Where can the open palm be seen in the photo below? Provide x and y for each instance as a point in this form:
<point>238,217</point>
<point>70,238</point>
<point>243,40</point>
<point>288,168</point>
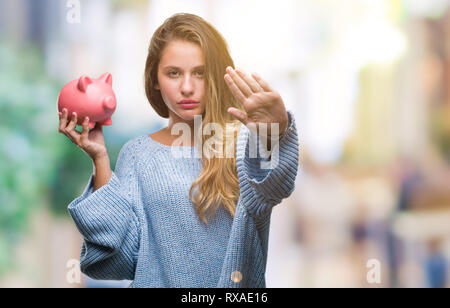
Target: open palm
<point>260,102</point>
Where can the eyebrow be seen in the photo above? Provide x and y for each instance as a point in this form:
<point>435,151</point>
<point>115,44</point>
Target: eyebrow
<point>178,68</point>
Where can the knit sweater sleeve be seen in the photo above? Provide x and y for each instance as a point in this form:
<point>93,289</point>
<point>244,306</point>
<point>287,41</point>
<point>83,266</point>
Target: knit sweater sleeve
<point>266,181</point>
<point>107,220</point>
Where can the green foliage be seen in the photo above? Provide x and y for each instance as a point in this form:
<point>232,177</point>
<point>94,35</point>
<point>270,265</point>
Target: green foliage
<point>38,166</point>
<point>30,144</point>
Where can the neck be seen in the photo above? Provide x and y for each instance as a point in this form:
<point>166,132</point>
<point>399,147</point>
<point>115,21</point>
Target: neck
<point>188,134</point>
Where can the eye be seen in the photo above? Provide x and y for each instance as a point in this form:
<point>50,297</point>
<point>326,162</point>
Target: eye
<point>172,73</point>
<point>200,73</point>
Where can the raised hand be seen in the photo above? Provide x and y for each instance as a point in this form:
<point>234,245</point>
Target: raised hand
<point>261,103</point>
<point>92,142</point>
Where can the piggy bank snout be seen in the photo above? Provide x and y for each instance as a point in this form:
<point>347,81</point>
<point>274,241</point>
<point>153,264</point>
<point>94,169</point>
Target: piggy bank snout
<point>109,103</point>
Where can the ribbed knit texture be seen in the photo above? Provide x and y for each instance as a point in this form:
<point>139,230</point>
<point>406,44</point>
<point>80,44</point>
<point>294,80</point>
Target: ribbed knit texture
<point>141,225</point>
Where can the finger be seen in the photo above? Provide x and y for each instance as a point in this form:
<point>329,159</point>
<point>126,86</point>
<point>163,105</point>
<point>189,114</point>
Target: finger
<point>63,120</point>
<point>254,86</point>
<point>63,124</point>
<point>234,89</point>
<point>262,82</point>
<point>61,116</point>
<point>238,114</point>
<point>73,122</point>
<point>242,85</point>
<point>85,131</point>
<point>60,126</point>
<point>74,136</point>
<point>70,129</point>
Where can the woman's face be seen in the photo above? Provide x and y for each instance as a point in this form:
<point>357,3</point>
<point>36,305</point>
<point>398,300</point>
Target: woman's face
<point>181,77</point>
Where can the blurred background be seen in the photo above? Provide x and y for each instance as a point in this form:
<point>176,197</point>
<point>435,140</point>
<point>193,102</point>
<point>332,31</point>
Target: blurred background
<point>367,80</point>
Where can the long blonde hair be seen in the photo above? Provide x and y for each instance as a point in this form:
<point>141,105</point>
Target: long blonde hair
<point>217,185</point>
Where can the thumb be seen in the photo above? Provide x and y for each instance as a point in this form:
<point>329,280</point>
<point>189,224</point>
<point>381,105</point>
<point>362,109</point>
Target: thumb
<point>238,114</point>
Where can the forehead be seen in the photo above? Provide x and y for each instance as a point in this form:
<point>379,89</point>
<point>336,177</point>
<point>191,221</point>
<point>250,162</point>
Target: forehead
<point>182,54</point>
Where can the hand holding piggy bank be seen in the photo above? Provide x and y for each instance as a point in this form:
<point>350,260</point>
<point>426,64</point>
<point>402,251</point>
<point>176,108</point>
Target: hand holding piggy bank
<point>86,101</point>
<point>93,98</point>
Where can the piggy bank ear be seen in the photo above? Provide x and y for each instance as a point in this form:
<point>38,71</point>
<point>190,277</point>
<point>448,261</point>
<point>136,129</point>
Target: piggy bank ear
<point>83,83</point>
<point>107,78</point>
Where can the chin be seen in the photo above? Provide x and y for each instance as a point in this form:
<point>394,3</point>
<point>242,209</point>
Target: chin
<point>188,115</point>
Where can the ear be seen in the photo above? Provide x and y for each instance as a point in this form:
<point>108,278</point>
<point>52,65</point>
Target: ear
<point>83,83</point>
<point>107,78</point>
<point>156,87</point>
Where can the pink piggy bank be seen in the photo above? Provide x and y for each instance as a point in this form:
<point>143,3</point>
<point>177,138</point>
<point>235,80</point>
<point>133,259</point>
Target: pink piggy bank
<point>93,98</point>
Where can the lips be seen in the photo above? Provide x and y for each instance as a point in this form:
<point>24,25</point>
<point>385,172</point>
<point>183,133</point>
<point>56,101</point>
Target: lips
<point>188,104</point>
<point>188,101</point>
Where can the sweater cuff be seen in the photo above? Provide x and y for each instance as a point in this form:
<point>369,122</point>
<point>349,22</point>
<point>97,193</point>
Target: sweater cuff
<point>273,179</point>
<point>102,216</point>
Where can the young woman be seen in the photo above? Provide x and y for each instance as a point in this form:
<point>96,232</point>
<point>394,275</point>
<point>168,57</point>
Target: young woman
<point>198,220</point>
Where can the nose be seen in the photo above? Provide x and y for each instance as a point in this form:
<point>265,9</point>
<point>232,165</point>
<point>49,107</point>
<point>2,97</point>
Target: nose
<point>109,103</point>
<point>187,86</point>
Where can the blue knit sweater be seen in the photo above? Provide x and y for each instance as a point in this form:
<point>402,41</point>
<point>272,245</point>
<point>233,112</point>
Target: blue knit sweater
<point>141,225</point>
